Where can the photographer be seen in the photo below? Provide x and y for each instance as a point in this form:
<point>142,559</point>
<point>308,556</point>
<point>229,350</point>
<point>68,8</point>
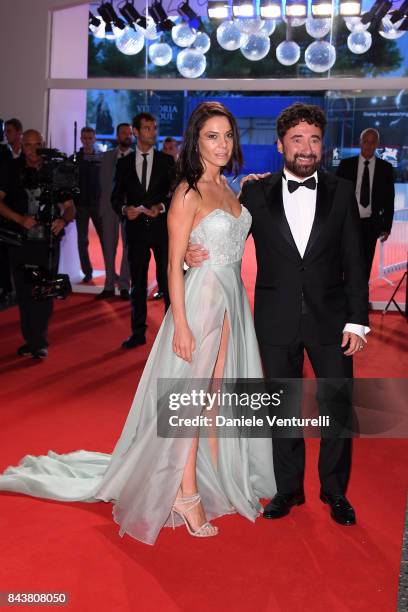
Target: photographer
<point>20,200</point>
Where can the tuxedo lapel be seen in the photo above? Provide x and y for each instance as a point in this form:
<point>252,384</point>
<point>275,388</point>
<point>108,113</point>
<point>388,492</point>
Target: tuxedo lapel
<point>324,202</point>
<point>277,211</point>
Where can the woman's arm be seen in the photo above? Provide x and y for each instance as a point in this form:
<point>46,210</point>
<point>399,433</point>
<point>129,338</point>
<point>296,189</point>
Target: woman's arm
<point>180,221</point>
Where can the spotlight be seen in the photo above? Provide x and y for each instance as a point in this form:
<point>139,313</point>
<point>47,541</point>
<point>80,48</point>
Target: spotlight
<point>109,33</point>
<point>379,9</point>
<point>93,22</point>
<point>322,8</point>
<point>159,15</point>
<point>132,16</point>
<point>187,14</point>
<point>108,14</point>
<point>404,26</point>
<point>350,8</point>
<point>243,8</point>
<point>296,8</point>
<point>270,9</point>
<point>218,9</point>
<point>399,13</point>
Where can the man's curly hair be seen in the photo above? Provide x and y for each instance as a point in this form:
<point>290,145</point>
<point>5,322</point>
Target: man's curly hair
<point>294,114</point>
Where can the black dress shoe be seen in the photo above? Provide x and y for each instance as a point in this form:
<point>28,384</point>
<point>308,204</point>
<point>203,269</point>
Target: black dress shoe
<point>124,294</point>
<point>24,351</point>
<point>41,353</point>
<point>105,294</point>
<point>133,342</point>
<point>87,278</point>
<point>341,510</point>
<point>281,504</point>
<point>158,295</point>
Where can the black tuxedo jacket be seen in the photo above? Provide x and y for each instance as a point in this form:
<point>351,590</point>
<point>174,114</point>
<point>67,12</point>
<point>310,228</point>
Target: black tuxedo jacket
<point>329,282</point>
<point>128,191</point>
<point>382,193</point>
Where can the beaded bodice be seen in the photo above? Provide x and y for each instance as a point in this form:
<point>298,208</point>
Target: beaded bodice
<point>223,235</point>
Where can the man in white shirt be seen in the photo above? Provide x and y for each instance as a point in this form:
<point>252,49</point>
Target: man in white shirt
<point>373,181</point>
<point>310,296</point>
<point>141,196</point>
<point>13,131</point>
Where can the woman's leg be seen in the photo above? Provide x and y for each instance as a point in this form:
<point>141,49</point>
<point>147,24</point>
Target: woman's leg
<point>188,487</point>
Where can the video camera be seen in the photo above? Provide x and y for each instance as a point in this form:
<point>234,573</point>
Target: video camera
<point>58,180</point>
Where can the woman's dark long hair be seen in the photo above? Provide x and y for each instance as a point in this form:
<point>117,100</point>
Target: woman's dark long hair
<point>190,167</point>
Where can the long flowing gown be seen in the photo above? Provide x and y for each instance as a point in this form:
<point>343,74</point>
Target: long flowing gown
<point>144,472</point>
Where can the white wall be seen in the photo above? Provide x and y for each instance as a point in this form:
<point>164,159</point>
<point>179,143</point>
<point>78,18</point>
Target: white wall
<point>24,43</point>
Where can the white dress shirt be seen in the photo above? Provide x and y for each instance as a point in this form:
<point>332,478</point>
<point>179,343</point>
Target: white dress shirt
<point>14,154</point>
<point>365,212</point>
<point>139,164</point>
<point>120,153</point>
<point>300,208</point>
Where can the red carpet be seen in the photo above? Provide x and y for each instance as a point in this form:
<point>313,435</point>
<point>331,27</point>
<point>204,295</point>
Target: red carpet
<point>79,397</point>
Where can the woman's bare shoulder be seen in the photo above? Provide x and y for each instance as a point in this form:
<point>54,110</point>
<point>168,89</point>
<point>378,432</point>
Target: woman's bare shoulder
<point>185,198</point>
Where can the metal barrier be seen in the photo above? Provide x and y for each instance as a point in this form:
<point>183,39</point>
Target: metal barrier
<point>393,252</point>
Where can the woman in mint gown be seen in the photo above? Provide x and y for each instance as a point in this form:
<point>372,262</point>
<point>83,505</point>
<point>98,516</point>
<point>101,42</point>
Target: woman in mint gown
<point>207,334</point>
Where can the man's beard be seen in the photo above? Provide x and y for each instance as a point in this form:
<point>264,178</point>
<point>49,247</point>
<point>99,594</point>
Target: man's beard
<point>126,142</point>
<point>302,170</point>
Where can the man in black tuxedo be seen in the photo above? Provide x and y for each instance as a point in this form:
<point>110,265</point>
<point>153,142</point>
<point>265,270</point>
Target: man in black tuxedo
<point>373,182</point>
<point>310,294</point>
<point>141,194</point>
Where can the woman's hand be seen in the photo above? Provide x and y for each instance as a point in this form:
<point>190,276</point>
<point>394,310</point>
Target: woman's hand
<point>252,177</point>
<point>183,342</point>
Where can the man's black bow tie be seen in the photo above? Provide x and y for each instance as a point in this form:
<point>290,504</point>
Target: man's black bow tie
<point>310,183</point>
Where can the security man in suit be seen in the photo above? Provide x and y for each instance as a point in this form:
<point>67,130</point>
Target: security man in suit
<point>110,220</point>
<point>141,195</point>
<point>373,182</point>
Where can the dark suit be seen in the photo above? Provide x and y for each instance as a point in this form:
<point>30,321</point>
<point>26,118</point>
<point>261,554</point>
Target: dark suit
<point>144,233</point>
<point>304,304</point>
<point>5,276</point>
<point>382,202</point>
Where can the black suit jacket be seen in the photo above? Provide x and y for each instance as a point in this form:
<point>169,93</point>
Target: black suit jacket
<point>127,191</point>
<point>382,193</point>
<point>330,279</point>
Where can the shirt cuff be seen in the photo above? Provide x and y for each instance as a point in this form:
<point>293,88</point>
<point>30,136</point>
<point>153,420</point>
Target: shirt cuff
<point>123,210</point>
<point>163,208</point>
<point>360,330</point>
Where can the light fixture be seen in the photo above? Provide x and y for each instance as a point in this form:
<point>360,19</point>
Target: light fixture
<point>218,9</point>
<point>296,8</point>
<point>93,22</point>
<point>350,8</point>
<point>132,16</point>
<point>379,9</point>
<point>270,9</point>
<point>188,15</point>
<point>159,15</point>
<point>108,14</point>
<point>322,8</point>
<point>243,8</point>
<point>400,13</point>
<point>404,25</point>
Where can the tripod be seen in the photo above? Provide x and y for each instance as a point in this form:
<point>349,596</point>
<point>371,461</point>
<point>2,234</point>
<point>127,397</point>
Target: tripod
<point>392,298</point>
